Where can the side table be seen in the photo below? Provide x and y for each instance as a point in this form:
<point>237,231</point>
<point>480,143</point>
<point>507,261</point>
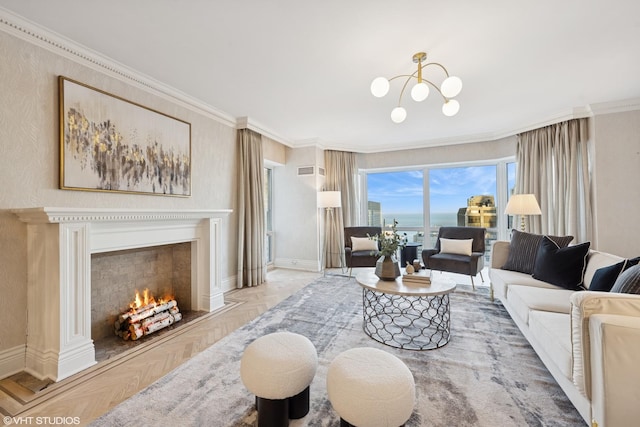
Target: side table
<point>409,253</point>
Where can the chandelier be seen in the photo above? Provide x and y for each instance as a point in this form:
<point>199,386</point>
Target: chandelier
<point>450,87</point>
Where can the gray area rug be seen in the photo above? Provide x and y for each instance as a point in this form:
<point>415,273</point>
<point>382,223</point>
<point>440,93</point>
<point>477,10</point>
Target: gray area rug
<point>487,375</point>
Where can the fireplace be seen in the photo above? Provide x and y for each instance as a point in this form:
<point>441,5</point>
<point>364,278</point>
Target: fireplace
<point>118,277</point>
<point>61,242</point>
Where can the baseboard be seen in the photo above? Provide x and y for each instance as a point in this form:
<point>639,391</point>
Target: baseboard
<point>229,283</point>
<point>297,264</point>
<point>12,360</point>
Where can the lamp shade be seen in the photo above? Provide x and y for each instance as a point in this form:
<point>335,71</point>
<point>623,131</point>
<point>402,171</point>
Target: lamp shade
<point>523,204</point>
<point>329,199</point>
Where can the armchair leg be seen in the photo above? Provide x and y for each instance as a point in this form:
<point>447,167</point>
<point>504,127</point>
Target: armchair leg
<point>473,285</point>
<point>481,276</point>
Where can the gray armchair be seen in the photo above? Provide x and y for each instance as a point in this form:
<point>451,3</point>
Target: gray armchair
<point>359,258</point>
<point>455,263</point>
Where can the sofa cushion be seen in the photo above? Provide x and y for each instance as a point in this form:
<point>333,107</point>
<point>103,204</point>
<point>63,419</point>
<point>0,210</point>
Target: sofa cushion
<point>523,299</point>
<point>553,332</point>
<point>524,247</point>
<point>456,246</point>
<point>502,280</point>
<point>628,282</point>
<point>561,266</point>
<point>363,244</point>
<point>604,278</point>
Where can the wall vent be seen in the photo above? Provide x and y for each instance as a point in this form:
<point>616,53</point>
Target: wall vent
<point>306,170</point>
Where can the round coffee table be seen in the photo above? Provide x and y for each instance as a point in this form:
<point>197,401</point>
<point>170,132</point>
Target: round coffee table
<point>410,316</point>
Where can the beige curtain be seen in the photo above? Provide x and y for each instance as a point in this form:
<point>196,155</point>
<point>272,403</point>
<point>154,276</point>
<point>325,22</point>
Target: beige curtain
<point>252,267</point>
<point>553,164</point>
<point>341,175</point>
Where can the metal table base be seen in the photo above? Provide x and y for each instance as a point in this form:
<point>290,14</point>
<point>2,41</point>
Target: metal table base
<point>406,321</point>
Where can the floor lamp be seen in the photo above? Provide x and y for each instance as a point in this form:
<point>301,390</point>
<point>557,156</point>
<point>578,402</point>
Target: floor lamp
<point>329,200</point>
<point>522,204</point>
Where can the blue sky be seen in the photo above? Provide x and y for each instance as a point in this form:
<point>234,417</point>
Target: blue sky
<point>402,192</point>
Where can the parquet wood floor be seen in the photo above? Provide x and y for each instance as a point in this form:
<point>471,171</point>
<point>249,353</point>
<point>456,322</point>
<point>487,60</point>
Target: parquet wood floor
<point>94,391</point>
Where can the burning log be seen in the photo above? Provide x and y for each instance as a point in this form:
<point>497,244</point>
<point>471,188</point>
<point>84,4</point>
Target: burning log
<point>138,322</point>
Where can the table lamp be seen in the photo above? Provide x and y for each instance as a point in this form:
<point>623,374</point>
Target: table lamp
<point>522,204</point>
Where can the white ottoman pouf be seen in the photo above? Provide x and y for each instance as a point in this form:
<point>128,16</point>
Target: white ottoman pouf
<point>369,387</point>
<point>278,369</point>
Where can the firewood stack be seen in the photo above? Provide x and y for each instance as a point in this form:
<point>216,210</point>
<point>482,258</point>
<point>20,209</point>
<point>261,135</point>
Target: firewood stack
<point>138,322</point>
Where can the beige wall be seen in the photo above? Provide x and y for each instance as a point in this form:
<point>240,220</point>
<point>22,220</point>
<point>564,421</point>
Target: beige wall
<point>479,151</point>
<point>295,213</point>
<point>273,151</point>
<point>29,164</point>
<point>616,171</point>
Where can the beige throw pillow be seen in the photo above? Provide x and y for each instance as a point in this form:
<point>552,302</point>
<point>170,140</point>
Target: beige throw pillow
<point>363,244</point>
<point>456,246</point>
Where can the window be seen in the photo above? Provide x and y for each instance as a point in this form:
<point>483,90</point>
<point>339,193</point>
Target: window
<point>465,197</point>
<point>511,189</point>
<point>422,200</point>
<point>268,213</point>
<point>400,196</point>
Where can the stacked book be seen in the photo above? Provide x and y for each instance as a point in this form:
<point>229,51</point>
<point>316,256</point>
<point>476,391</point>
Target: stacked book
<point>422,278</point>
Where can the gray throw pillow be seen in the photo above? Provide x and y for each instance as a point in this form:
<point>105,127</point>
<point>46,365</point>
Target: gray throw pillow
<point>628,282</point>
<point>524,248</point>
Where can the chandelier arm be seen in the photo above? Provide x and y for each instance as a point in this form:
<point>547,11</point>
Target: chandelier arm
<point>439,65</point>
<point>435,86</point>
<point>404,86</point>
<point>414,75</point>
<point>408,76</point>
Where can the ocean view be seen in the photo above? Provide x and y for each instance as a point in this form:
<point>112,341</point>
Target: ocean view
<point>415,220</point>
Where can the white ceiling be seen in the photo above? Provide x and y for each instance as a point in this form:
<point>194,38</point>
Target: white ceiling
<point>302,68</point>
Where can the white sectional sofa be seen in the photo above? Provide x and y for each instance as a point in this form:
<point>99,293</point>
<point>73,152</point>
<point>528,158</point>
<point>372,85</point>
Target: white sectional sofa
<point>588,340</point>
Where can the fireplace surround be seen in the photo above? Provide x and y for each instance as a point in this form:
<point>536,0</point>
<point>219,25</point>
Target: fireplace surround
<point>59,248</point>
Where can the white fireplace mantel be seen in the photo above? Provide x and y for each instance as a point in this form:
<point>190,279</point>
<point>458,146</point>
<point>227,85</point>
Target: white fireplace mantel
<point>59,248</point>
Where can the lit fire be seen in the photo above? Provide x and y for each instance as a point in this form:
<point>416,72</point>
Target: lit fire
<point>147,299</point>
<point>146,315</point>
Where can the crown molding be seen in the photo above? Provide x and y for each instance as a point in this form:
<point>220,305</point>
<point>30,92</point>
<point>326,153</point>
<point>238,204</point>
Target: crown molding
<point>248,123</point>
<point>621,106</point>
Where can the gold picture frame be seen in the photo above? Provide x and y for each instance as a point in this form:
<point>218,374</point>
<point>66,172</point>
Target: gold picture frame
<point>110,144</point>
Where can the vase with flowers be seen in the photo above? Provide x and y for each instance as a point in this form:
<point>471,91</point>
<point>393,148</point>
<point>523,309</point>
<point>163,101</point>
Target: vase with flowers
<point>389,241</point>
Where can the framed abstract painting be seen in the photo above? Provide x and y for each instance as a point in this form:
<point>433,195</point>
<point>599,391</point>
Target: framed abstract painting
<point>110,144</point>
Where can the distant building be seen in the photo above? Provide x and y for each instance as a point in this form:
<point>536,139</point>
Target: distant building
<point>480,212</point>
<point>374,214</point>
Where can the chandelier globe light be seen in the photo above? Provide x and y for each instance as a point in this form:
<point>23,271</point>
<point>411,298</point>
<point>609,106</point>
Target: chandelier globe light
<point>449,88</point>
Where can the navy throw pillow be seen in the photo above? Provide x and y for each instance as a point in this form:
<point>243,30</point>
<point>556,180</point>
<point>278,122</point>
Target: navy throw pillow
<point>561,266</point>
<point>604,278</point>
